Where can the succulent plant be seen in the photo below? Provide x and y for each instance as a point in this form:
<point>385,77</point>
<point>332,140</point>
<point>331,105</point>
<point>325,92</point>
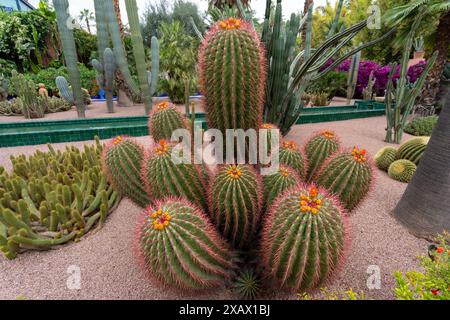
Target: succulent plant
<point>232,75</point>
<point>385,157</point>
<point>165,119</point>
<point>26,90</point>
<point>422,126</point>
<point>269,133</point>
<point>106,72</point>
<point>122,161</point>
<point>290,155</point>
<point>177,246</point>
<point>402,170</point>
<point>318,148</point>
<point>349,175</point>
<point>276,184</point>
<point>247,285</point>
<point>413,149</point>
<point>235,203</point>
<point>304,237</point>
<point>163,177</point>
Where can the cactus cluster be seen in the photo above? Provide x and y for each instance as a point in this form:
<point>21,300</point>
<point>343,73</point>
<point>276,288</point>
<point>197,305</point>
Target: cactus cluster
<point>318,148</point>
<point>413,149</point>
<point>163,120</point>
<point>25,89</point>
<point>422,126</point>
<point>4,87</point>
<point>51,198</point>
<point>402,170</point>
<point>384,157</point>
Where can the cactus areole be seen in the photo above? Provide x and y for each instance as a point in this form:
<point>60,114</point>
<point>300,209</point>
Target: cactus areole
<point>233,75</point>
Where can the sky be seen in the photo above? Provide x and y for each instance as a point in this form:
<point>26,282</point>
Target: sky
<point>259,6</point>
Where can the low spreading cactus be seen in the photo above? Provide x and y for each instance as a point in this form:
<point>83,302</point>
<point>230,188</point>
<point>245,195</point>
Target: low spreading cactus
<point>318,149</point>
<point>413,149</point>
<point>235,198</point>
<point>165,119</point>
<point>122,160</point>
<point>275,184</point>
<point>349,175</point>
<point>304,238</point>
<point>290,155</point>
<point>176,245</point>
<point>385,157</point>
<point>402,170</point>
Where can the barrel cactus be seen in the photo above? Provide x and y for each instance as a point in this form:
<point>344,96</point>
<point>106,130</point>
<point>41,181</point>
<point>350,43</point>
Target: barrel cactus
<point>290,155</point>
<point>163,177</point>
<point>402,170</point>
<point>235,203</point>
<point>304,238</point>
<point>275,184</point>
<point>269,130</point>
<point>122,160</point>
<point>165,119</point>
<point>385,157</point>
<point>232,67</point>
<point>176,245</point>
<point>413,149</point>
<point>349,175</point>
<point>318,149</point>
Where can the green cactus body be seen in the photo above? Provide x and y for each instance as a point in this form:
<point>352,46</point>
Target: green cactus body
<point>122,161</point>
<point>164,119</point>
<point>102,28</point>
<point>176,245</point>
<point>247,285</point>
<point>165,178</point>
<point>385,157</point>
<point>235,203</point>
<point>353,76</point>
<point>276,184</point>
<point>25,89</point>
<point>270,133</point>
<point>413,149</point>
<point>349,175</point>
<point>304,238</point>
<point>154,74</point>
<point>318,149</point>
<point>232,75</point>
<point>402,170</point>
<point>64,90</point>
<point>422,126</point>
<point>290,155</point>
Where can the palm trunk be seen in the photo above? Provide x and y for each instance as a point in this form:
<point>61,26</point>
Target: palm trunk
<point>88,25</point>
<point>425,207</point>
<point>434,77</point>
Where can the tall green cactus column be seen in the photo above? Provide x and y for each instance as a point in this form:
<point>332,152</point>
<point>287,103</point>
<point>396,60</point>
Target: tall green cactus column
<point>102,28</point>
<point>70,52</point>
<point>353,76</point>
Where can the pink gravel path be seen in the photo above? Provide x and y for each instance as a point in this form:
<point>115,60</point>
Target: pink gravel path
<point>108,270</point>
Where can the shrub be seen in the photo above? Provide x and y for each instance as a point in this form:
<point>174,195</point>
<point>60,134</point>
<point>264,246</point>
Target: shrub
<point>422,126</point>
<point>365,68</point>
<point>333,84</point>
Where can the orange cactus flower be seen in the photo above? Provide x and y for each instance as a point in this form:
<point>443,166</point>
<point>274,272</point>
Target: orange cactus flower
<point>284,172</point>
<point>234,172</point>
<point>162,105</point>
<point>162,147</point>
<point>230,24</point>
<point>328,134</point>
<point>435,291</point>
<point>440,250</point>
<point>359,155</point>
<point>117,140</point>
<point>291,145</point>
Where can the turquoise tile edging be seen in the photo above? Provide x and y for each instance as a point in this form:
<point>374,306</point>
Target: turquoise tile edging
<point>41,132</point>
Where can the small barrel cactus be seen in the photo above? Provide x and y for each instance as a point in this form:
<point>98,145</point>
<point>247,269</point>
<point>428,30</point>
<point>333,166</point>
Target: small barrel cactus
<point>247,285</point>
<point>232,75</point>
<point>122,161</point>
<point>304,237</point>
<point>163,177</point>
<point>290,155</point>
<point>349,175</point>
<point>318,149</point>
<point>176,245</point>
<point>235,203</point>
<point>385,157</point>
<point>276,184</point>
<point>163,120</point>
<point>413,149</point>
<point>269,134</point>
<point>402,170</point>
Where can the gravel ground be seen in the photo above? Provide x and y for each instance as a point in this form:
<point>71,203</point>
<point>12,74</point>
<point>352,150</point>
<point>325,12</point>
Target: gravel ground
<point>108,270</point>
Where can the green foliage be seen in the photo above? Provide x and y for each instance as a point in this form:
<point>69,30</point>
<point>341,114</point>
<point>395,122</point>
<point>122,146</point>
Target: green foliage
<point>413,149</point>
<point>177,60</point>
<point>6,67</point>
<point>326,294</point>
<point>402,170</point>
<point>431,284</point>
<point>333,84</point>
<point>319,147</point>
<point>384,157</point>
<point>164,120</point>
<point>422,126</point>
<point>51,198</point>
<point>319,99</point>
<point>86,44</point>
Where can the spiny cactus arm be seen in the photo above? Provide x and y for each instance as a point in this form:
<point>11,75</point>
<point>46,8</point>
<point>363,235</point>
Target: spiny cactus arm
<point>266,32</point>
<point>195,28</point>
<point>102,28</point>
<point>308,40</point>
<point>64,90</point>
<point>336,19</point>
<point>353,76</point>
<point>155,66</point>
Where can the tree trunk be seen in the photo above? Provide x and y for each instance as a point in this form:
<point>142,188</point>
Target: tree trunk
<point>425,207</point>
<point>434,76</point>
<point>88,25</point>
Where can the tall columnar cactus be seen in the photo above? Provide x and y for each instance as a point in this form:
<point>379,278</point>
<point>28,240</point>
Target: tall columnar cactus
<point>304,238</point>
<point>102,28</point>
<point>25,89</point>
<point>177,246</point>
<point>163,177</point>
<point>349,175</point>
<point>232,75</point>
<point>64,90</point>
<point>235,203</point>
<point>122,161</point>
<point>353,76</point>
<point>165,118</point>
<point>153,76</point>
<point>106,72</point>
<point>275,184</point>
<point>290,155</point>
<point>385,157</point>
<point>318,149</point>
<point>413,149</point>
<point>368,91</point>
<point>70,52</point>
<point>4,87</point>
<point>402,170</point>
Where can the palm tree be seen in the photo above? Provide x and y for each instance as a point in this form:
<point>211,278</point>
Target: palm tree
<point>435,10</point>
<point>425,207</point>
<point>87,15</point>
